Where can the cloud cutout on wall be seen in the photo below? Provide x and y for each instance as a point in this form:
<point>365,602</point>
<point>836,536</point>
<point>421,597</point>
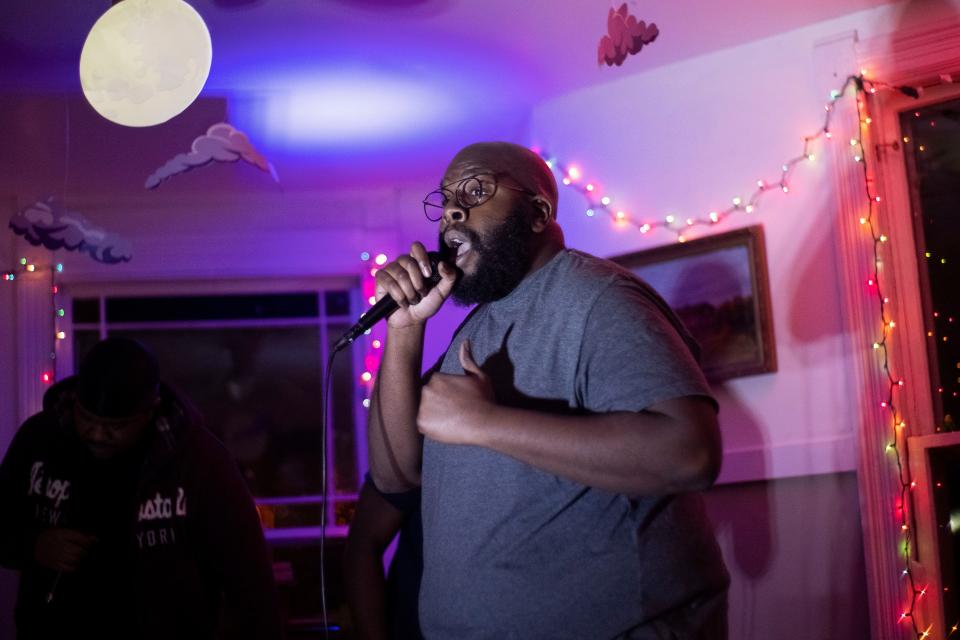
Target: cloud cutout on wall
<point>46,223</point>
<point>221,143</point>
<point>625,36</point>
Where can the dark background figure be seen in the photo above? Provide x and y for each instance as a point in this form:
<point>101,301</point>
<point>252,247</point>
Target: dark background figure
<point>126,518</point>
<point>383,608</point>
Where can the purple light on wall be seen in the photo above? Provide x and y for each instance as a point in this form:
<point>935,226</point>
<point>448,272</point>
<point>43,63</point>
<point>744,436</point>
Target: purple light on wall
<point>392,94</point>
<point>353,108</point>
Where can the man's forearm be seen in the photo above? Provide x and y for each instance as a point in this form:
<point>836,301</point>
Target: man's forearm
<point>637,454</point>
<point>365,586</point>
<point>394,444</point>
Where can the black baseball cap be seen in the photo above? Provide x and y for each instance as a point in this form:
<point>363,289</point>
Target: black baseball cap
<point>118,378</point>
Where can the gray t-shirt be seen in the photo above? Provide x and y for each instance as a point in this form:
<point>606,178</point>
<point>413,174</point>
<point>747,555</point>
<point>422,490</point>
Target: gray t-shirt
<point>514,552</point>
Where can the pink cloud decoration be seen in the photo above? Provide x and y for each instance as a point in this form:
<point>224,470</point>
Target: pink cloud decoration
<point>221,143</point>
<point>47,224</point>
<point>625,36</point>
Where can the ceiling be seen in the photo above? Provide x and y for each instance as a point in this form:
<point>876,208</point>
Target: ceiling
<point>455,69</point>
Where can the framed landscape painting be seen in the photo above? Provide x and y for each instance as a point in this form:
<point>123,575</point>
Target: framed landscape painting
<point>718,287</point>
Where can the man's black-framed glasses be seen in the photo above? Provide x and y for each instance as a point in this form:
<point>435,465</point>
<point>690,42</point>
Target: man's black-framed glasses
<point>468,192</point>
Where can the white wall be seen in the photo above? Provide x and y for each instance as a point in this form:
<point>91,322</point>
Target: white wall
<point>685,139</point>
<point>8,363</point>
<point>8,398</point>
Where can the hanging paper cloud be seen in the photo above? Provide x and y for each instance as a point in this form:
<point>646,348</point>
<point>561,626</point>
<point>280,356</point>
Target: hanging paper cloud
<point>49,225</point>
<point>222,143</point>
<point>625,36</point>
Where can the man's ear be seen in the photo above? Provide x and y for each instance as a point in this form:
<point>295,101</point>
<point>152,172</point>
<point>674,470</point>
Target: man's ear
<point>543,214</point>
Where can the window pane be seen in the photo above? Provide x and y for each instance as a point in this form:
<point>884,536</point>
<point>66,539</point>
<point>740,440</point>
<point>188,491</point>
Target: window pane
<point>258,390</point>
<point>191,308</point>
<point>338,303</point>
<point>933,162</point>
<point>86,310</point>
<point>83,341</point>
<point>343,403</point>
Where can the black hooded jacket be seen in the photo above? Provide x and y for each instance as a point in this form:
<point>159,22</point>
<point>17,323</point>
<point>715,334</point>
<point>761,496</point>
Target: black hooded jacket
<point>179,552</point>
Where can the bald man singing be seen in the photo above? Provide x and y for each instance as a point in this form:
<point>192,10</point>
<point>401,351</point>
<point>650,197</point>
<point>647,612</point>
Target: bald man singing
<point>561,439</point>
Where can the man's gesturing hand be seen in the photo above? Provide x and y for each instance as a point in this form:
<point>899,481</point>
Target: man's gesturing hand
<point>62,549</point>
<point>453,407</point>
<point>405,280</point>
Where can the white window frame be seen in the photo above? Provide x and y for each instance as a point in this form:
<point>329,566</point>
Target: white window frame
<point>918,58</point>
<point>319,285</point>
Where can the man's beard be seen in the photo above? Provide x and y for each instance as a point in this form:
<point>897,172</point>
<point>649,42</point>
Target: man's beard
<point>503,258</point>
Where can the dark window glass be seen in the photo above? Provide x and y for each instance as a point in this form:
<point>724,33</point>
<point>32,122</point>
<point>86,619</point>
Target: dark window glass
<point>86,310</point>
<point>338,303</point>
<point>258,391</point>
<point>945,471</point>
<point>933,164</point>
<point>192,308</point>
<point>83,341</point>
<point>342,406</point>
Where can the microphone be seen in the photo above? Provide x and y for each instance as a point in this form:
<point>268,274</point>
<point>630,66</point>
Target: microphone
<point>53,587</point>
<point>384,307</point>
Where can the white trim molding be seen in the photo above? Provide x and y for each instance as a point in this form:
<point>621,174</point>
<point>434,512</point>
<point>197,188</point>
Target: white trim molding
<point>916,57</point>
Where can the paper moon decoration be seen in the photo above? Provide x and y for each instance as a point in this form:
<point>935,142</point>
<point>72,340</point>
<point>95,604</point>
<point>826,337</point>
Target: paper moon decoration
<point>145,61</point>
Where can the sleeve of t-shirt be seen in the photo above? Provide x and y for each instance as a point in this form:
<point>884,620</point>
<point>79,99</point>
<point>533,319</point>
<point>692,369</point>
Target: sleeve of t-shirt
<point>632,354</point>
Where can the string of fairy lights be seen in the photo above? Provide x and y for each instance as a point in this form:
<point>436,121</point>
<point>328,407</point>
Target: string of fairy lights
<point>599,204</point>
<point>368,288</point>
<point>47,373</point>
<point>897,445</point>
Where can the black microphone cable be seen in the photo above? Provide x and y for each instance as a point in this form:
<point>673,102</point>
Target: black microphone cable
<point>327,378</point>
<point>379,311</point>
